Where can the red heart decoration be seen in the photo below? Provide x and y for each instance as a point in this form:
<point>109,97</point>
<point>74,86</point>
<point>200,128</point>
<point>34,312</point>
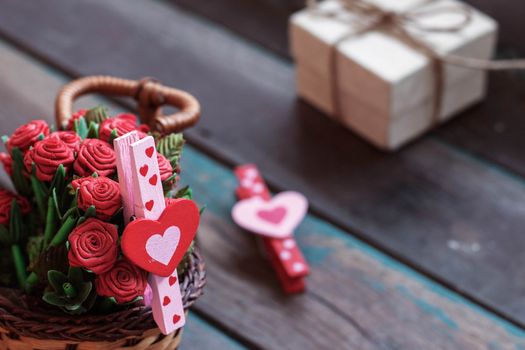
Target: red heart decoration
<point>158,246</point>
<point>153,180</point>
<point>166,301</point>
<point>149,204</point>
<point>149,151</point>
<point>172,280</point>
<point>176,318</point>
<point>143,170</point>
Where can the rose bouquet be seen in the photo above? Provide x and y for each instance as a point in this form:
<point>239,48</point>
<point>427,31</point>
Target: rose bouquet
<point>60,229</point>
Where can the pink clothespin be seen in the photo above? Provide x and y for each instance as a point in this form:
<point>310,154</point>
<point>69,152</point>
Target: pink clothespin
<point>274,219</point>
<point>143,197</point>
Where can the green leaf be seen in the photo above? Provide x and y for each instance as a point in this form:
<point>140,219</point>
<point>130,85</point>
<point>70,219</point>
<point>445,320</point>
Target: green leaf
<point>92,131</point>
<point>5,138</point>
<point>54,299</point>
<point>96,115</point>
<point>113,136</point>
<point>15,222</point>
<point>185,192</point>
<point>81,128</point>
<point>170,146</point>
<point>31,282</point>
<point>19,180</point>
<point>59,179</point>
<point>91,212</point>
<point>20,265</point>
<point>56,279</point>
<point>202,209</point>
<point>63,232</point>
<point>51,221</point>
<point>56,204</point>
<point>84,291</point>
<point>40,196</point>
<point>75,275</point>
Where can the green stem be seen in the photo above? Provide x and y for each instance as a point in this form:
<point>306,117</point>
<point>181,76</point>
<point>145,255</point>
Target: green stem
<point>39,196</point>
<point>50,221</point>
<point>20,265</point>
<point>31,282</point>
<point>63,232</point>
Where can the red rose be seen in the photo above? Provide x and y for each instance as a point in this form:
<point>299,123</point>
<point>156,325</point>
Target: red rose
<point>28,163</point>
<point>74,117</point>
<point>26,135</point>
<point>165,168</point>
<point>47,155</point>
<point>6,199</point>
<point>93,246</point>
<point>101,192</point>
<point>123,123</point>
<point>169,201</point>
<point>7,162</point>
<point>70,138</point>
<point>95,156</point>
<point>124,282</point>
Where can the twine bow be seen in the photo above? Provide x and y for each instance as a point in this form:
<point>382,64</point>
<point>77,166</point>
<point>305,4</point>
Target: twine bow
<point>404,25</point>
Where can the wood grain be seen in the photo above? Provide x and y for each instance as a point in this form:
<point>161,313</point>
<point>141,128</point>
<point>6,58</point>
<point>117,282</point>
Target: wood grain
<point>483,130</point>
<point>265,21</point>
<point>358,297</point>
<point>432,204</point>
<point>199,334</point>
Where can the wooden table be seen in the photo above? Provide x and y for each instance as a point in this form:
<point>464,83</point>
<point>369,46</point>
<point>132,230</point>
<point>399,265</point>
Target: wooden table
<point>422,249</point>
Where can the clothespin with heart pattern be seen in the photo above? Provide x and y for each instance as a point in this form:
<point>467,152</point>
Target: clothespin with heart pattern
<point>275,220</point>
<point>160,236</point>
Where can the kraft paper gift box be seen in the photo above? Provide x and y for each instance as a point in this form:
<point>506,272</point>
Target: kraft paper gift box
<point>386,88</point>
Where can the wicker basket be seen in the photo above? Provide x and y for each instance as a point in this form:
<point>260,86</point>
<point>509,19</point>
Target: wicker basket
<point>27,323</point>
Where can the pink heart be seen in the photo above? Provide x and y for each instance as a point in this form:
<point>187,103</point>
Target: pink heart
<point>275,218</point>
<point>162,247</point>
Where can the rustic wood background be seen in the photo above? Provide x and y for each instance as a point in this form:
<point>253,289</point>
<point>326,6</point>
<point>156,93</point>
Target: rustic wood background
<point>422,249</point>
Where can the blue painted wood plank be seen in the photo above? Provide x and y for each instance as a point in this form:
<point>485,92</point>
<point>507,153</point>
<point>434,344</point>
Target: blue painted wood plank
<point>199,334</point>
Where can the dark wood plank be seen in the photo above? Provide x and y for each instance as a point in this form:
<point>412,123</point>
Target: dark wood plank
<point>358,298</point>
<point>265,21</point>
<point>483,130</point>
<point>429,204</point>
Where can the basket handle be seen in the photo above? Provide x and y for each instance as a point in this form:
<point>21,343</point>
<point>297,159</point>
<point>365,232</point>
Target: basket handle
<point>149,94</point>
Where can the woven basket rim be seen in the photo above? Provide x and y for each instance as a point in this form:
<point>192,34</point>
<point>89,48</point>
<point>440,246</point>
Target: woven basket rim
<point>23,316</point>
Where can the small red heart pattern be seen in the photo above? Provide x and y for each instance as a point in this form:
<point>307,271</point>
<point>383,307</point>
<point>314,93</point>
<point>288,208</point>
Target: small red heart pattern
<point>143,170</point>
<point>149,204</point>
<point>176,319</point>
<point>172,280</point>
<point>166,301</point>
<point>153,180</point>
<point>149,151</point>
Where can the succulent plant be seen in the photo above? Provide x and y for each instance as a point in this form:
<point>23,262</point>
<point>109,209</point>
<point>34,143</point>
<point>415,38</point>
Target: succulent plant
<point>71,293</point>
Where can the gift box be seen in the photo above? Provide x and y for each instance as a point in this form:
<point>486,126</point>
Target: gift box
<point>375,80</point>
